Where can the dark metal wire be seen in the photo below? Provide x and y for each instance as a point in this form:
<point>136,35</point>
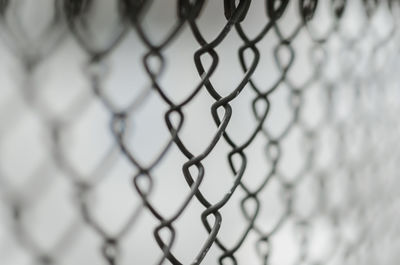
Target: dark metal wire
<point>71,17</point>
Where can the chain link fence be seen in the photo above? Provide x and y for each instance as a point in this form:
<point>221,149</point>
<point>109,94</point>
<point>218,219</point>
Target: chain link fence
<point>199,132</point>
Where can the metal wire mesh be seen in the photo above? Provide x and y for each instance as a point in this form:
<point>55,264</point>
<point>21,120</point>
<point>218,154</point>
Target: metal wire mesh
<point>199,132</point>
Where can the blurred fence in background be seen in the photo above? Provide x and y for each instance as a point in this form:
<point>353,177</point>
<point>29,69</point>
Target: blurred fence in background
<point>199,132</point>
